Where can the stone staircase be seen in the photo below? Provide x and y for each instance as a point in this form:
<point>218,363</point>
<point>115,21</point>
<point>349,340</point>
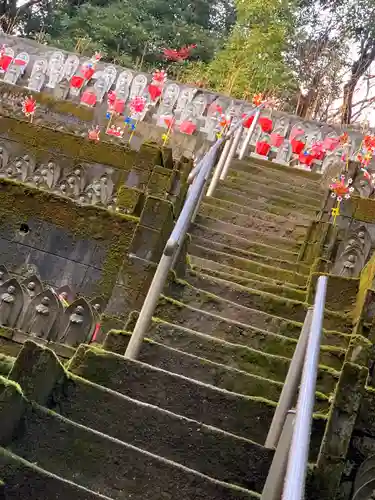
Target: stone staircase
<point>188,419</point>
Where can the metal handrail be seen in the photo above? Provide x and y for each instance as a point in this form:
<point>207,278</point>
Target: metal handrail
<point>294,450</point>
<point>295,478</point>
<point>199,177</point>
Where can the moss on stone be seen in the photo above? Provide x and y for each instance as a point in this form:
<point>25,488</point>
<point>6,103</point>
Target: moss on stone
<point>6,364</point>
<point>45,140</point>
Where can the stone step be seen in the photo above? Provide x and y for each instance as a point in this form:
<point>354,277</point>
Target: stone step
<point>161,356</point>
<point>244,416</point>
<point>199,289</point>
<point>107,465</point>
<point>280,229</point>
<point>213,245</point>
<point>244,284</point>
<point>244,244</point>
<point>274,171</point>
<point>249,280</point>
<point>27,481</point>
<point>179,313</point>
<point>267,193</point>
<point>248,234</point>
<point>265,176</point>
<point>199,447</point>
<point>235,353</point>
<point>234,196</point>
<point>204,370</point>
<point>255,268</point>
<point>259,363</point>
<point>296,218</point>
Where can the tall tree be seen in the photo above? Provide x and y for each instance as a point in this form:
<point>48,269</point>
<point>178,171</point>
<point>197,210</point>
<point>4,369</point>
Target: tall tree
<point>252,60</point>
<point>129,32</point>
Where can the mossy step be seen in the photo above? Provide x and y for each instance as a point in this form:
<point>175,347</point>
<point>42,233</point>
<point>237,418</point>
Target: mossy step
<point>297,267</point>
<point>284,183</point>
<point>176,361</point>
<point>280,229</point>
<point>210,451</point>
<point>107,465</point>
<point>273,170</point>
<point>301,220</point>
<point>243,284</point>
<point>212,268</point>
<point>6,364</point>
<point>264,192</point>
<point>250,266</point>
<point>27,481</point>
<point>240,243</point>
<point>231,330</point>
<point>179,394</point>
<point>232,195</point>
<point>249,234</point>
<point>261,364</point>
<point>272,304</point>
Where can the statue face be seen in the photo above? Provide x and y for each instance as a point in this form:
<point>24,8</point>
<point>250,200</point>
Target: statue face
<point>45,301</point>
<point>11,289</point>
<point>79,310</point>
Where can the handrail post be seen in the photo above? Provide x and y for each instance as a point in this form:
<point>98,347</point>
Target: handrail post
<point>273,487</point>
<point>295,479</point>
<point>149,306</point>
<point>219,167</point>
<point>292,381</point>
<point>249,135</point>
<point>231,153</point>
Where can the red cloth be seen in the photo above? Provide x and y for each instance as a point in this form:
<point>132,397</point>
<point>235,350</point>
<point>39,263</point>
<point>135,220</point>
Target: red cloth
<point>247,123</point>
<point>262,148</point>
<point>276,140</point>
<point>77,82</point>
<point>297,146</point>
<point>188,128</point>
<point>5,60</point>
<point>154,91</point>
<point>88,98</point>
<point>306,159</point>
<point>265,124</point>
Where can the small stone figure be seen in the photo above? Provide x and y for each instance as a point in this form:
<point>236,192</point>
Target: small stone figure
<point>11,302</point>
<point>77,323</point>
<point>42,315</point>
<point>348,267</point>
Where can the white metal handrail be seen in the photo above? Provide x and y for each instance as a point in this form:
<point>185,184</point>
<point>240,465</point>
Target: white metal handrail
<point>199,177</point>
<point>293,450</point>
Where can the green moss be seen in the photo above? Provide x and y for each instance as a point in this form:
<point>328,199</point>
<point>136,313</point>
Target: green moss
<point>130,199</point>
<point>47,141</point>
<point>6,364</point>
<point>7,383</point>
<point>364,209</point>
<point>113,263</point>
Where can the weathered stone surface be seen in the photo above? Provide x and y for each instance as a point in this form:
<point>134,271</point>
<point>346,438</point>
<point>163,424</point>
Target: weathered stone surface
<point>71,450</point>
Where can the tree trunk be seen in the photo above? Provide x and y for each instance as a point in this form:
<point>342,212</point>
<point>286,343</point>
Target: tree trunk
<point>359,68</point>
<point>347,104</point>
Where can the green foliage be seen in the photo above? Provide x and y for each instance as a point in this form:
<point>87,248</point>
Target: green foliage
<point>253,59</point>
<point>129,32</point>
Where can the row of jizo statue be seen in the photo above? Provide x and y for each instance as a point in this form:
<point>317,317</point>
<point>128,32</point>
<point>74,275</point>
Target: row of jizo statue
<point>191,109</point>
<point>83,184</point>
<point>40,311</point>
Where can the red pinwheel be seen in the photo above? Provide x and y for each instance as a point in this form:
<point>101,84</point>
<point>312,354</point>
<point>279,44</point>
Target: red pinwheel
<point>341,188</point>
<point>29,106</point>
<point>94,134</point>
